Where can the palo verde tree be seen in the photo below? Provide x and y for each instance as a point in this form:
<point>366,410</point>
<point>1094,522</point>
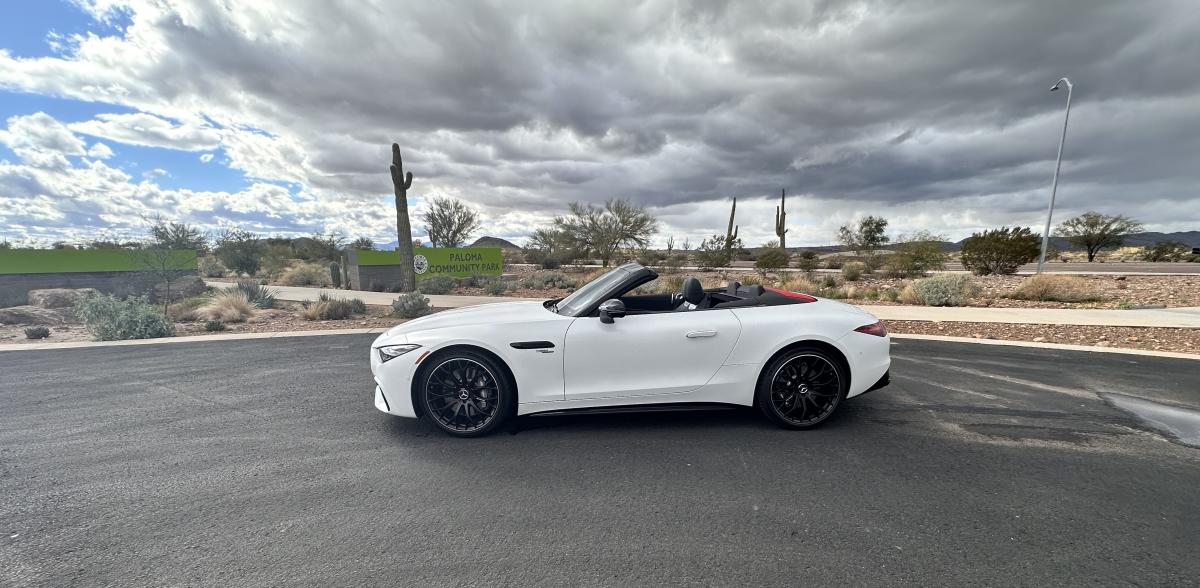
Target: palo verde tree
<point>401,182</point>
<point>865,235</point>
<point>449,222</point>
<point>620,223</point>
<point>1094,231</point>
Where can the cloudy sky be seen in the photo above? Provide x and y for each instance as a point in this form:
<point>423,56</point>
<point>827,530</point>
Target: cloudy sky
<point>278,116</point>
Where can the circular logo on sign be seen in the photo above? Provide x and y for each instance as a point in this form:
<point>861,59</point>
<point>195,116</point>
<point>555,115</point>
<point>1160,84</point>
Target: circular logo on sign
<point>420,264</point>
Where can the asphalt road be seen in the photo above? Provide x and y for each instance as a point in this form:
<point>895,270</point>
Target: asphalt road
<point>263,462</point>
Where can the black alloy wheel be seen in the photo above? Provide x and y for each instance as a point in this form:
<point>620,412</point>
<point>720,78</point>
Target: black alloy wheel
<point>466,394</point>
<point>802,388</point>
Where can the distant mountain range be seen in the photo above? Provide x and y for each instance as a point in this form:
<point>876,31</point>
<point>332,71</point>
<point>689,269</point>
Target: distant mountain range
<point>1189,238</point>
<point>480,242</point>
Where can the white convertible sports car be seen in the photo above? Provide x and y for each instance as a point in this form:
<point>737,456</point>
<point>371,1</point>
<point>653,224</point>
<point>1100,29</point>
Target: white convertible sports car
<point>472,369</point>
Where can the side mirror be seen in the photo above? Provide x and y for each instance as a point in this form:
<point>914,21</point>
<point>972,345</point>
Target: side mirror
<point>611,309</point>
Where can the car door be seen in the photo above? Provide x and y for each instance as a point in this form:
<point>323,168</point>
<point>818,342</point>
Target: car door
<point>646,354</point>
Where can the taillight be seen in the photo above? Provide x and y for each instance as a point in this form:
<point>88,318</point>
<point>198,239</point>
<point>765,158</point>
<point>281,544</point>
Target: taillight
<point>875,328</point>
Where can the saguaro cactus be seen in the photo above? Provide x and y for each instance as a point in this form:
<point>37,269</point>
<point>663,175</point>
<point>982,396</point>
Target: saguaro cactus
<point>731,232</point>
<point>781,219</point>
<point>401,181</point>
<point>335,274</point>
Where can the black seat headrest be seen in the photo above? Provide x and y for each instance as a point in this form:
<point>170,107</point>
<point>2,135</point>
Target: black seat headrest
<point>733,287</point>
<point>693,290</point>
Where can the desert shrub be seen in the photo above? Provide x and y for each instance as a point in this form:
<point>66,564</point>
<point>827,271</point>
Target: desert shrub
<point>836,261</point>
<point>908,295</point>
<point>547,281</point>
<point>329,308</point>
<point>853,270</point>
<point>211,267</point>
<point>1167,251</point>
<point>111,319</point>
<point>889,294</point>
<point>772,258</point>
<point>496,287</point>
<point>915,255</point>
<point>214,325</point>
<point>438,285</point>
<point>240,251</point>
<point>808,260</point>
<point>258,295</point>
<point>848,291</point>
<point>713,252</point>
<point>185,310</point>
<point>945,290</point>
<point>410,305</point>
<point>37,332</point>
<point>305,274</point>
<point>828,281</point>
<point>1057,288</point>
<point>749,279</point>
<point>1000,251</point>
<point>229,306</point>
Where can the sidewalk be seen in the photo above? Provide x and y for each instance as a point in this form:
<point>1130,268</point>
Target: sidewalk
<point>1170,317</point>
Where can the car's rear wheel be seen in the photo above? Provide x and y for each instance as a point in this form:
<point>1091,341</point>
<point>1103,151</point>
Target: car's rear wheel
<point>465,393</point>
<point>802,388</point>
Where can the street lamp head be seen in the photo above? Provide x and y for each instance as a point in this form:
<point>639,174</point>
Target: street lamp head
<point>1059,83</point>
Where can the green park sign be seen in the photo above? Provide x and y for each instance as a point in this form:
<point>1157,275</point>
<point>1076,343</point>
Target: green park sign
<point>458,262</point>
<point>52,261</point>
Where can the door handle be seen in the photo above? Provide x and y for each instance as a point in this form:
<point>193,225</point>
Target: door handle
<point>698,334</point>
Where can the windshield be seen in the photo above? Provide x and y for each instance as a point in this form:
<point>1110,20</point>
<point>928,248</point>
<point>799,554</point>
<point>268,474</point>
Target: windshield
<point>590,293</point>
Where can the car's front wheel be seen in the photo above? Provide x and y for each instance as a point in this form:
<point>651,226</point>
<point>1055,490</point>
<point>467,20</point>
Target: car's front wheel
<point>465,393</point>
<point>802,388</point>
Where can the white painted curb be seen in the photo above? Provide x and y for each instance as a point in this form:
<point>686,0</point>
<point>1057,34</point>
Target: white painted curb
<point>1063,346</point>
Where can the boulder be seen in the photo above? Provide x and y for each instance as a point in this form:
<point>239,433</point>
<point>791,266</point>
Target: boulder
<point>58,297</point>
<point>34,315</point>
<point>181,287</point>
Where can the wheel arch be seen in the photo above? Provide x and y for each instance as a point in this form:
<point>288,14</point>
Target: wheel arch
<point>418,377</point>
<point>825,346</point>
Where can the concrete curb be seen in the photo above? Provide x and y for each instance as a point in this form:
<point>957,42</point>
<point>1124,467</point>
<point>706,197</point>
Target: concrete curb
<point>189,339</point>
<point>244,336</point>
<point>1063,346</point>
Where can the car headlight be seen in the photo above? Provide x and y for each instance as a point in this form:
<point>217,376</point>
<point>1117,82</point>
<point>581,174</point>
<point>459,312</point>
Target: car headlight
<point>393,351</point>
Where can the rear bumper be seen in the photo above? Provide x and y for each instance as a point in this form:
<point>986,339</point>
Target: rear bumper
<point>883,381</point>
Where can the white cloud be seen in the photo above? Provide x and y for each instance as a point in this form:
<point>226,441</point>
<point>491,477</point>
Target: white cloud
<point>99,151</point>
<point>156,173</point>
<point>205,158</point>
<point>149,131</point>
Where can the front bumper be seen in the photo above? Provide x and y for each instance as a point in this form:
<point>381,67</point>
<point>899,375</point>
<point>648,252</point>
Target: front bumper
<point>393,383</point>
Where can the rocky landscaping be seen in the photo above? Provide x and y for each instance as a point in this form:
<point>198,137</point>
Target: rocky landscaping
<point>1150,338</point>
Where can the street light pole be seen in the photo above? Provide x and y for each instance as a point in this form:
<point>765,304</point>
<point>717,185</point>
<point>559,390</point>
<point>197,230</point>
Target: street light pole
<point>1054,187</point>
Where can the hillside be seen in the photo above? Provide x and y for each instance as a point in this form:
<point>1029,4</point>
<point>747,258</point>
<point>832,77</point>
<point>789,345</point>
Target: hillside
<point>494,242</point>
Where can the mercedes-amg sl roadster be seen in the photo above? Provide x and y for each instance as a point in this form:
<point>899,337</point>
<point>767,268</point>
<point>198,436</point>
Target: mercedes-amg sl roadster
<point>471,370</point>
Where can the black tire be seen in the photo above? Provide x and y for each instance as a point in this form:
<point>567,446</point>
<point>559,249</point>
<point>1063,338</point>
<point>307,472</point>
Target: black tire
<point>465,393</point>
<point>802,388</point>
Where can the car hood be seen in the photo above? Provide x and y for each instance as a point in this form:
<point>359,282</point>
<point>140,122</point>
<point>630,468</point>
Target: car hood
<point>492,314</point>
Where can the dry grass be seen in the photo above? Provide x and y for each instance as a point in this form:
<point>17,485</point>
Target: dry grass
<point>305,274</point>
<point>227,306</point>
<point>909,295</point>
<point>327,308</point>
<point>797,283</point>
<point>1057,289</point>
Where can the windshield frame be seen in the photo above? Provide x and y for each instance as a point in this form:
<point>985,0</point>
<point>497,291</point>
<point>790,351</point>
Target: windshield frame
<point>611,284</point>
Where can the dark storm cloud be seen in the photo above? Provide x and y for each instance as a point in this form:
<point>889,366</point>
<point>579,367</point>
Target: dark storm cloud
<point>917,108</point>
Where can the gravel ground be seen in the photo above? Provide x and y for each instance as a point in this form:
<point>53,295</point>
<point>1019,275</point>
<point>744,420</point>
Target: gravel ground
<point>1152,338</point>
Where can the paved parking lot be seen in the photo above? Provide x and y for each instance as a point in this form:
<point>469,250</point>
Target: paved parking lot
<point>262,462</point>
